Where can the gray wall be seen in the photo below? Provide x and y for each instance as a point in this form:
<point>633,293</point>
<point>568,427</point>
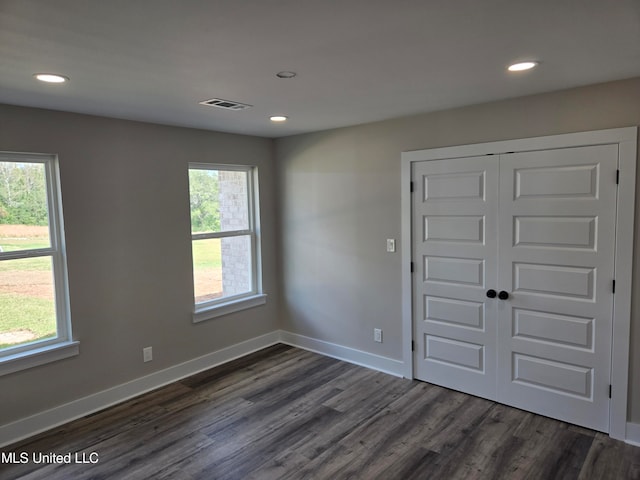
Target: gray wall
<point>339,197</point>
<point>125,195</point>
<point>126,207</point>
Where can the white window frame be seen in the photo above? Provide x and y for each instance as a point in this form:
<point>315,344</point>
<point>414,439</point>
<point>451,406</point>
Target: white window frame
<point>226,305</point>
<point>20,357</point>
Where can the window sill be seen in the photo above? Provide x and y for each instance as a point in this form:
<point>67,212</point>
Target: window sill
<point>38,356</point>
<point>207,313</point>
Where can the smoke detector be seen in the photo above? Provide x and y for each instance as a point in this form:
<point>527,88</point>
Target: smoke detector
<point>226,104</point>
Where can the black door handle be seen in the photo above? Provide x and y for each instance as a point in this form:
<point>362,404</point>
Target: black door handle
<point>491,293</point>
<point>503,295</point>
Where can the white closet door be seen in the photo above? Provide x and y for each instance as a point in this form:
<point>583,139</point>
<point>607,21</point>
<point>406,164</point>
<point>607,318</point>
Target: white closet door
<point>556,251</point>
<point>454,253</point>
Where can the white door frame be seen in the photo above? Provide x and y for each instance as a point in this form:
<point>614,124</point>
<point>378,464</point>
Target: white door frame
<point>626,138</point>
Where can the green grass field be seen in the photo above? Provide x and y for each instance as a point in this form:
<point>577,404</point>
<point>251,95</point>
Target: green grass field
<point>12,244</point>
<point>207,253</point>
<point>21,312</point>
<point>18,312</point>
<point>207,269</point>
<point>26,264</point>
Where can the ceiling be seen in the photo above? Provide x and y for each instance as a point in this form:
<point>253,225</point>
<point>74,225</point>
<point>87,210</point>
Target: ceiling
<point>357,61</point>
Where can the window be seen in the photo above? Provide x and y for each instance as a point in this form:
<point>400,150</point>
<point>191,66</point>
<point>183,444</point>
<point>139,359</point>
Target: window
<point>34,309</point>
<point>225,239</point>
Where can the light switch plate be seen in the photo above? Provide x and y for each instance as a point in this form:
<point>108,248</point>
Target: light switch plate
<point>391,245</point>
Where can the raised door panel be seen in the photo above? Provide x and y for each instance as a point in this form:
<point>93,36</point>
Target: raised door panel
<point>454,228</point>
<point>555,232</point>
<point>553,280</point>
<point>545,327</point>
<point>454,312</point>
<point>554,181</point>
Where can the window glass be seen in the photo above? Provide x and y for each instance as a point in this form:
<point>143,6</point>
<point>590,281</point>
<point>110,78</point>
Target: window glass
<point>219,200</point>
<point>207,269</point>
<point>27,302</point>
<point>33,306</point>
<point>24,216</point>
<point>224,239</point>
<point>236,265</point>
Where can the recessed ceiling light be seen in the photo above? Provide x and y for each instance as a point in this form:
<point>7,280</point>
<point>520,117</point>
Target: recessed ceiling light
<point>519,67</point>
<point>286,74</point>
<point>51,77</point>
<point>278,118</point>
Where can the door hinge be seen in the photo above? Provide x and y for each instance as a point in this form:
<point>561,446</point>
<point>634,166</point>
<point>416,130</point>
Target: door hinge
<point>617,177</point>
<point>411,187</point>
<point>609,391</point>
<point>613,287</point>
<point>413,346</point>
<point>411,267</point>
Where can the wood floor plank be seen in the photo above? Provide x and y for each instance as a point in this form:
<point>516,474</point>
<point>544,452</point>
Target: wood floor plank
<point>413,465</point>
<point>370,388</point>
<point>288,414</point>
<point>365,407</point>
<point>453,420</point>
<point>249,365</point>
<point>488,450</point>
<point>279,466</point>
<point>373,445</point>
<point>248,379</point>
<point>250,458</point>
<point>608,458</point>
<point>565,462</point>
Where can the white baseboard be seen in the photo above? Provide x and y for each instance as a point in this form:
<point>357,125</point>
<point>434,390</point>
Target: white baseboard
<point>43,421</point>
<point>633,434</point>
<point>351,355</point>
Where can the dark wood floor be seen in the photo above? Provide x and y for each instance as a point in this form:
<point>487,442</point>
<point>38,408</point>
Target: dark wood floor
<point>284,413</point>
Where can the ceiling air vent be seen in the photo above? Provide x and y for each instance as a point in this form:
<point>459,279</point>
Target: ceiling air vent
<point>226,104</point>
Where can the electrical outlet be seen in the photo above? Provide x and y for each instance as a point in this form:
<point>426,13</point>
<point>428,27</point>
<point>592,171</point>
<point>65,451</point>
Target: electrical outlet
<point>391,245</point>
<point>377,335</point>
<point>147,354</point>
